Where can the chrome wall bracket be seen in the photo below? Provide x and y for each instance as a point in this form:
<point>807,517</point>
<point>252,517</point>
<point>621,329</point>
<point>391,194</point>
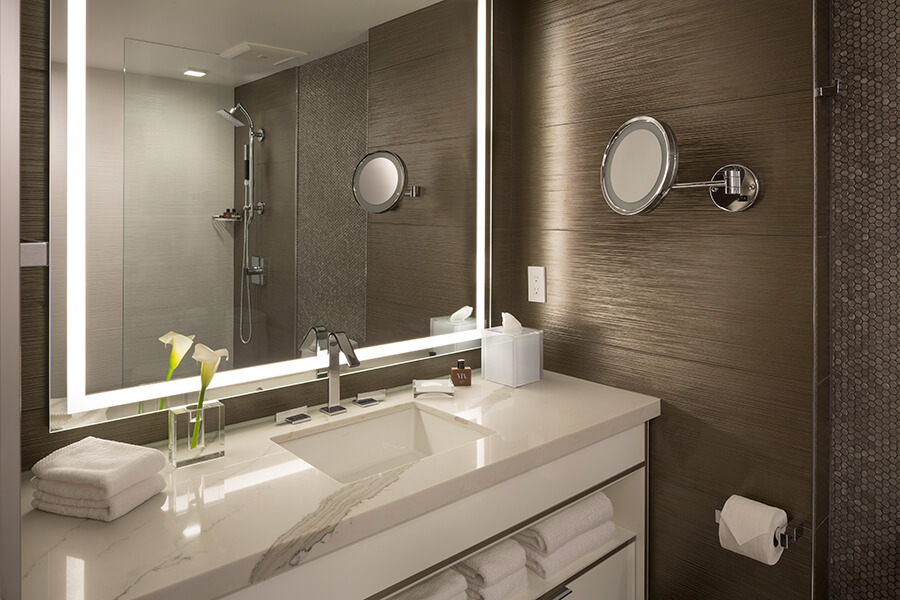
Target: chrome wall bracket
<point>828,90</point>
<point>413,191</point>
<point>734,188</point>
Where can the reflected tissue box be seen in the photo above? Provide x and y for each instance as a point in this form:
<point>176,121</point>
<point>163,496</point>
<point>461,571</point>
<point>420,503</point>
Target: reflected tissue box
<point>512,359</point>
<point>442,325</point>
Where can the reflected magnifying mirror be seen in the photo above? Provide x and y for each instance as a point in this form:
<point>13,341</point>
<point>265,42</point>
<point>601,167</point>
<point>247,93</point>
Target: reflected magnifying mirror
<point>640,165</point>
<point>380,181</point>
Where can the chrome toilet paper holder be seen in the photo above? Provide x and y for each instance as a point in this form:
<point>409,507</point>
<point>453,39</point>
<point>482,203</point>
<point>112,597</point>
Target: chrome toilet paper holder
<point>785,537</point>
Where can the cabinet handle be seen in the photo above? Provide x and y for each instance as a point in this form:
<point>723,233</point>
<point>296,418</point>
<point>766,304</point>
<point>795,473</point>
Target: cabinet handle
<point>562,594</point>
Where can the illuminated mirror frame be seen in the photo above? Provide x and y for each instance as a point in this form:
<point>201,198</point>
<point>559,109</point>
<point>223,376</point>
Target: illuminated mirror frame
<point>78,400</point>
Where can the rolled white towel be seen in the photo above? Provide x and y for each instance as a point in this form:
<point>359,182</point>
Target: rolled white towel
<point>556,530</point>
<point>547,565</point>
<point>109,466</point>
<point>117,505</point>
<point>494,564</point>
<point>501,590</point>
<point>446,585</point>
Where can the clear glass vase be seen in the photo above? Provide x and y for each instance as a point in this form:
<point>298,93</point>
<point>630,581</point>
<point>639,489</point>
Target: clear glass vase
<point>196,435</point>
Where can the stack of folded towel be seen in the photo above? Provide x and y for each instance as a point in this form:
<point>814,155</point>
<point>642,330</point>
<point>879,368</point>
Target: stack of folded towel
<point>496,573</point>
<point>446,585</point>
<point>97,479</point>
<point>563,538</point>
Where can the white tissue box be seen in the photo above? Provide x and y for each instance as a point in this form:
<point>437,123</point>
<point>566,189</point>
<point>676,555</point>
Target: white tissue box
<point>442,325</point>
<point>512,359</point>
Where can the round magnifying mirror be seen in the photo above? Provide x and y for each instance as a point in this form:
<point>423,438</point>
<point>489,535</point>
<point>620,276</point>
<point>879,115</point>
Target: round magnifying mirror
<point>639,166</point>
<point>379,181</point>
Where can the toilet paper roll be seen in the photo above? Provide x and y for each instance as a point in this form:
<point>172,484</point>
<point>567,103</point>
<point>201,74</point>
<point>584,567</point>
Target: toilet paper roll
<point>751,528</point>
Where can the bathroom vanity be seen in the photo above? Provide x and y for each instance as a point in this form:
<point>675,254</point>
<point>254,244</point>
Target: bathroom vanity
<point>354,518</point>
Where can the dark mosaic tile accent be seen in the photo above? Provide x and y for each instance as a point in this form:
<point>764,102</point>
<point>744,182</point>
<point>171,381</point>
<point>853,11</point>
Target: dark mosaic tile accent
<point>332,121</point>
<point>865,522</point>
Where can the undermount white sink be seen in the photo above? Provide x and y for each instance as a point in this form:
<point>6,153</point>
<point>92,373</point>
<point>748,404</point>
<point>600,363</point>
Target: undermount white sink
<point>350,448</point>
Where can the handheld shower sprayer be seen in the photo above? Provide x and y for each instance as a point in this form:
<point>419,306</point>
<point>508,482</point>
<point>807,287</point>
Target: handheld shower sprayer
<point>249,209</point>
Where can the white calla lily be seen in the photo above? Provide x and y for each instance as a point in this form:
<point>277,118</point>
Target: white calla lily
<point>180,346</point>
<point>209,360</point>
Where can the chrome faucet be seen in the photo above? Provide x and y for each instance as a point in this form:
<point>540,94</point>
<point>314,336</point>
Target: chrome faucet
<point>337,342</point>
<point>316,339</point>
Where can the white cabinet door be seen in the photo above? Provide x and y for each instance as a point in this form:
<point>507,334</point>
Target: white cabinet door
<point>613,579</point>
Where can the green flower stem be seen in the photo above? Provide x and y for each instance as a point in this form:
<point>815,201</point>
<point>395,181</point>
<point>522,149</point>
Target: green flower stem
<point>197,421</point>
<point>162,401</point>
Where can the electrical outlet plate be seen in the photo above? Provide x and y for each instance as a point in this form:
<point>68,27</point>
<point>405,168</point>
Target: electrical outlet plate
<point>537,284</point>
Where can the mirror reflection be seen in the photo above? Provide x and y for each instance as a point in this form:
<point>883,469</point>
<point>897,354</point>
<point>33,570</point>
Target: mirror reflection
<point>220,178</point>
<point>379,181</point>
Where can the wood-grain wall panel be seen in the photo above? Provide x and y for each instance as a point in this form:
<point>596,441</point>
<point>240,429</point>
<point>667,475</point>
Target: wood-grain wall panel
<point>34,187</point>
<point>35,34</point>
<point>420,255</point>
<point>424,33</point>
<point>415,273</point>
<point>687,562</point>
<point>770,135</point>
<point>429,99</point>
<point>34,288</point>
<point>713,312</point>
<point>688,53</point>
<point>704,298</point>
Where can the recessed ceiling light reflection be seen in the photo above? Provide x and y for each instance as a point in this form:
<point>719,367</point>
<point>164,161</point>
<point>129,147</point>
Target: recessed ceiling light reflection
<point>195,73</point>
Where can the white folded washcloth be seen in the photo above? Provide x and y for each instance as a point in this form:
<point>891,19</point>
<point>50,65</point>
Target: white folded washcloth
<point>501,590</point>
<point>494,564</point>
<point>556,530</point>
<point>547,565</point>
<point>446,585</point>
<point>116,505</point>
<point>109,466</point>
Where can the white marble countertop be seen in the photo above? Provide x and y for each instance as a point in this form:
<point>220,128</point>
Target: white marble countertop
<point>260,510</point>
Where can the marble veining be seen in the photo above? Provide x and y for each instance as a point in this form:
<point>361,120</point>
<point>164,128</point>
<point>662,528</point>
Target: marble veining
<point>292,547</point>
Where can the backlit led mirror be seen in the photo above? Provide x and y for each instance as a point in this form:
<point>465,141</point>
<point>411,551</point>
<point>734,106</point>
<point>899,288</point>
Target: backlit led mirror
<point>379,181</point>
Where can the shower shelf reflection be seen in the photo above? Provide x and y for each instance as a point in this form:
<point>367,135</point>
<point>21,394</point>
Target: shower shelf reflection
<point>234,219</point>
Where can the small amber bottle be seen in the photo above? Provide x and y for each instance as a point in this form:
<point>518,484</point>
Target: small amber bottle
<point>461,374</point>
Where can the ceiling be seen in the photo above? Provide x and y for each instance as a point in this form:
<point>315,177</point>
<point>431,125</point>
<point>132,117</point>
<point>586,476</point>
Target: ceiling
<point>318,27</point>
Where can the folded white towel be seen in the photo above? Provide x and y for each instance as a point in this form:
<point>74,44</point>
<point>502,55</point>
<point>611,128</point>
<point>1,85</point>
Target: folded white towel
<point>109,466</point>
<point>446,585</point>
<point>118,504</point>
<point>547,565</point>
<point>494,564</point>
<point>556,530</point>
<point>146,488</point>
<point>501,590</point>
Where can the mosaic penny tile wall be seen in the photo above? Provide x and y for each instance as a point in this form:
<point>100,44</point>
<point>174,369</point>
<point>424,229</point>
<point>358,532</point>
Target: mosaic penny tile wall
<point>865,530</point>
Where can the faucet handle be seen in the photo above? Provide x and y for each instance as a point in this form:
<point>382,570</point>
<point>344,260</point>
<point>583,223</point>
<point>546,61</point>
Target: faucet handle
<point>340,339</point>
